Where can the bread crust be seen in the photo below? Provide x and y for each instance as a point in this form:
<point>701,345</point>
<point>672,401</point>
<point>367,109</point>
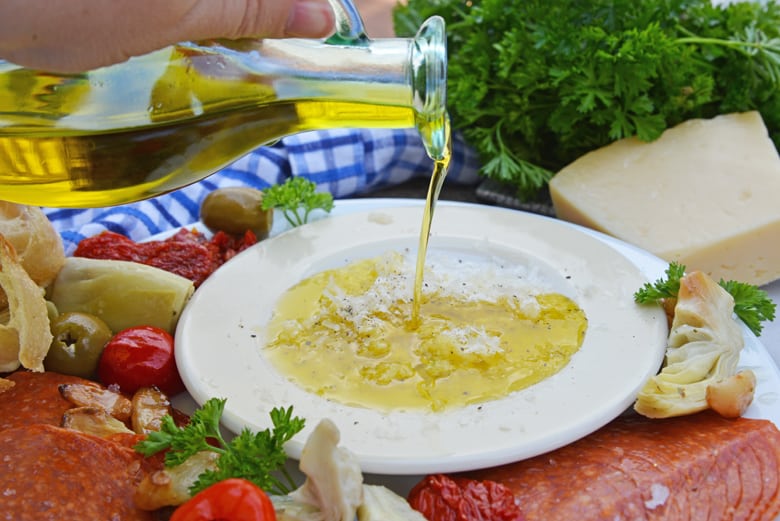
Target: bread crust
<point>24,331</point>
<point>38,245</point>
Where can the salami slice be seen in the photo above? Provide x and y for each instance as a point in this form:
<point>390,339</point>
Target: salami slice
<point>696,467</point>
<point>52,473</point>
<point>35,398</point>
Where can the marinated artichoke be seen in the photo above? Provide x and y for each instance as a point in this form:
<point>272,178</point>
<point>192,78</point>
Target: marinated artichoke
<point>704,345</point>
<point>122,293</point>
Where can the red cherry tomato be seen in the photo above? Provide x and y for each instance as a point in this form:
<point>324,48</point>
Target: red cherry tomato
<point>140,357</point>
<point>229,500</point>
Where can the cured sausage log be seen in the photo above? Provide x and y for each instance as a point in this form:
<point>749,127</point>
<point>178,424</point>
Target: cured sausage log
<point>52,473</point>
<point>695,467</point>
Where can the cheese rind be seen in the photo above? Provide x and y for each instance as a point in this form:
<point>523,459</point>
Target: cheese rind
<point>705,194</point>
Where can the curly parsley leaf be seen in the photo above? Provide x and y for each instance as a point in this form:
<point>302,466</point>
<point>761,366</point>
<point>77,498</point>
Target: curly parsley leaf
<point>751,304</point>
<point>183,442</point>
<point>662,288</point>
<point>297,197</point>
<point>256,456</point>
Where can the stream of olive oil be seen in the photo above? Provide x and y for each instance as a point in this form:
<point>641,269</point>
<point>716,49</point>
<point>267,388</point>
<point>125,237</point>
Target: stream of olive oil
<point>434,188</point>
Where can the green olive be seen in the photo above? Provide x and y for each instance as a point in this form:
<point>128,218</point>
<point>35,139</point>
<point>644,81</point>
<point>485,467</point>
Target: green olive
<point>79,339</point>
<point>234,210</point>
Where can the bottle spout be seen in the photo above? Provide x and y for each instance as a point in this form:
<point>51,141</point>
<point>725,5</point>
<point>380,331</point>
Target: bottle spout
<point>429,84</point>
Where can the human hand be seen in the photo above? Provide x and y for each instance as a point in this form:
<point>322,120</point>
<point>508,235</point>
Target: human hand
<point>77,35</point>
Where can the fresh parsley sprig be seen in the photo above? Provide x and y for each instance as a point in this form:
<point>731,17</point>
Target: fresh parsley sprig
<point>256,456</point>
<point>662,288</point>
<point>297,197</point>
<point>751,304</point>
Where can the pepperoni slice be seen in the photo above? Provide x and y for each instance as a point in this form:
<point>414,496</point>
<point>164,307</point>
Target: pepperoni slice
<point>35,398</point>
<point>51,473</point>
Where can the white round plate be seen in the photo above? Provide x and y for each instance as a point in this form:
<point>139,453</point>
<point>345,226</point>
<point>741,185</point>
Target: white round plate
<point>219,338</point>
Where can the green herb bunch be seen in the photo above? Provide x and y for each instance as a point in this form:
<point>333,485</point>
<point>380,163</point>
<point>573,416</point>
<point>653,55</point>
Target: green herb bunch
<point>534,84</point>
<point>256,456</point>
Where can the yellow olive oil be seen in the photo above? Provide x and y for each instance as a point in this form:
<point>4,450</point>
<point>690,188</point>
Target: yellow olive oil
<point>82,169</point>
<point>343,334</point>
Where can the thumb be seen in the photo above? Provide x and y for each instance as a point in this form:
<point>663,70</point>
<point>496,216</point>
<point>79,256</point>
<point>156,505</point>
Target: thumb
<point>258,18</point>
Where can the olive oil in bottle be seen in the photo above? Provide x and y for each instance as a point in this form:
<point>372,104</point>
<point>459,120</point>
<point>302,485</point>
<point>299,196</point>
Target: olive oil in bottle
<point>167,119</point>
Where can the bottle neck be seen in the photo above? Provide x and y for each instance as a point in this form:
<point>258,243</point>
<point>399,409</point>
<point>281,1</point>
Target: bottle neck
<point>429,80</point>
<point>389,71</point>
<point>298,69</point>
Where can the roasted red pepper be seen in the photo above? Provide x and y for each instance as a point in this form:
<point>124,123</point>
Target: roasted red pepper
<point>442,498</point>
<point>140,357</point>
<point>229,500</point>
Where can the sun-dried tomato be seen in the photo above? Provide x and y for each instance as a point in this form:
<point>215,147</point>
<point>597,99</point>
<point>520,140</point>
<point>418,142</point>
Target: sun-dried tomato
<point>108,245</point>
<point>230,245</point>
<point>186,258</point>
<point>187,235</point>
<point>442,498</point>
<point>187,253</point>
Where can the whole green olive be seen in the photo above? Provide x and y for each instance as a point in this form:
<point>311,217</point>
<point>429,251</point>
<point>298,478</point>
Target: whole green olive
<point>79,339</point>
<point>234,210</point>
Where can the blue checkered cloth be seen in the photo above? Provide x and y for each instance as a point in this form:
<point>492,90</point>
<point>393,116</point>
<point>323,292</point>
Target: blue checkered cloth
<point>345,162</point>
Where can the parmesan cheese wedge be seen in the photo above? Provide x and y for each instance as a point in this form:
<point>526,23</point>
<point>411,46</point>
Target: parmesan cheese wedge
<point>705,194</point>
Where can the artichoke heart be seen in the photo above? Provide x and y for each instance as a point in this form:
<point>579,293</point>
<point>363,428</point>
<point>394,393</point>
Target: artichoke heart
<point>705,341</point>
<point>122,293</point>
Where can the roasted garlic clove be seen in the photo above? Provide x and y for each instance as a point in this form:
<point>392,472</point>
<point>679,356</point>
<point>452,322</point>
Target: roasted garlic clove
<point>732,396</point>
